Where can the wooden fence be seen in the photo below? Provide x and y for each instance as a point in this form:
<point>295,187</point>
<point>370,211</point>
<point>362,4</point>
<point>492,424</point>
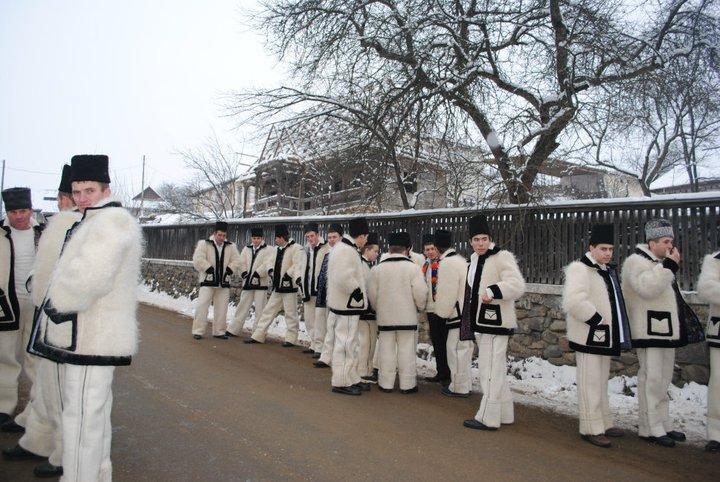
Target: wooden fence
<point>544,238</point>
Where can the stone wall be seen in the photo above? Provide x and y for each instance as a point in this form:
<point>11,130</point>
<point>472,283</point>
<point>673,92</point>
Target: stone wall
<point>541,330</point>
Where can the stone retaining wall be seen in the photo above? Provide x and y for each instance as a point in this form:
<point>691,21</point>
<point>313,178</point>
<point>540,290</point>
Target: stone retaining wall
<point>541,330</point>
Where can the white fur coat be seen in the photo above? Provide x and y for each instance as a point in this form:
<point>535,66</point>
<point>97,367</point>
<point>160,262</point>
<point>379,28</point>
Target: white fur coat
<point>450,287</point>
<point>397,291</point>
<point>708,289</point>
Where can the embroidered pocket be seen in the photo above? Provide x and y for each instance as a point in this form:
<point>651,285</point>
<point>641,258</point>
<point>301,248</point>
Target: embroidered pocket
<point>209,279</point>
<point>599,335</point>
<point>659,323</point>
<point>226,278</point>
<point>489,315</point>
<point>62,332</point>
<point>6,313</point>
<point>255,279</point>
<point>356,300</point>
<point>286,282</point>
<point>713,329</point>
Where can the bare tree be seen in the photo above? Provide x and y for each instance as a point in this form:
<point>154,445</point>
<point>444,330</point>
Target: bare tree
<point>647,129</point>
<point>212,191</point>
<point>518,70</point>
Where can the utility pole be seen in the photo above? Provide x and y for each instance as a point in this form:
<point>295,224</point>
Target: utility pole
<point>142,190</point>
<point>2,185</point>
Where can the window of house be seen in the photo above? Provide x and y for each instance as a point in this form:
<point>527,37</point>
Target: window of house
<point>409,182</point>
<point>307,205</point>
<point>337,186</point>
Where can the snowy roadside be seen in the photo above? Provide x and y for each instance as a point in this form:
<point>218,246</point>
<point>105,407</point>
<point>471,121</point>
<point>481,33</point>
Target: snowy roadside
<point>534,381</point>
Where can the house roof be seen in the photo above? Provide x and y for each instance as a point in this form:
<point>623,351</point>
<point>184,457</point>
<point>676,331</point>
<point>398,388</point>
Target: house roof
<point>148,194</point>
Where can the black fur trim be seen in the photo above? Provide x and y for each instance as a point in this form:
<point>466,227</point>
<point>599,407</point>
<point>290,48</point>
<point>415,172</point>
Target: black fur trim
<point>398,328</point>
<point>497,294</point>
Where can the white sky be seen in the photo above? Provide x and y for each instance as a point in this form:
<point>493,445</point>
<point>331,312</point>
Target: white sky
<point>123,78</point>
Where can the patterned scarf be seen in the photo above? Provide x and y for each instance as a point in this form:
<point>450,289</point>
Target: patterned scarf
<point>433,264</point>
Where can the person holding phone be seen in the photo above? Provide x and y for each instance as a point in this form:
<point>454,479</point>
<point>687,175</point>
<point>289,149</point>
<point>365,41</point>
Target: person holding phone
<point>657,326</point>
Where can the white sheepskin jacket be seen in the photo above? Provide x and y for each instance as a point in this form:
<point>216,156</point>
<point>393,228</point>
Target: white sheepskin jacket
<point>708,288</point>
<point>215,266</point>
<point>397,291</point>
<point>254,278</point>
<point>346,294</point>
<point>89,314</point>
<point>450,288</point>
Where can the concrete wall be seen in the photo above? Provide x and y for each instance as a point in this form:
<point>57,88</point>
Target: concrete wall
<point>541,330</point>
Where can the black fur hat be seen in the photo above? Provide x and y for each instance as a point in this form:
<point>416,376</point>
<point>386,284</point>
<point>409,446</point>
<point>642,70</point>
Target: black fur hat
<point>399,238</point>
<point>428,239</point>
<point>602,234</point>
<point>256,232</point>
<point>90,167</point>
<point>221,226</point>
<point>359,226</point>
<point>373,238</point>
<point>443,239</point>
<point>65,180</point>
<point>336,228</point>
<point>282,231</point>
<point>17,198</point>
<point>478,225</point>
<point>311,227</point>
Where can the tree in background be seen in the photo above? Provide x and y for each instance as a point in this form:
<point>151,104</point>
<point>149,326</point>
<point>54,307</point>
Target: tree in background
<point>518,71</point>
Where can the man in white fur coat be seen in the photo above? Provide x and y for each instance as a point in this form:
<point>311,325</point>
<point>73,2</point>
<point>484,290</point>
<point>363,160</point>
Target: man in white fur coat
<point>253,257</point>
<point>285,267</point>
<point>324,332</point>
<point>598,329</point>
<point>708,289</point>
<point>449,299</point>
<point>346,301</point>
<point>43,434</point>
<point>495,283</point>
<point>88,319</point>
<point>215,259</point>
<point>657,327</point>
<point>315,252</point>
<point>397,291</point>
<point>20,236</point>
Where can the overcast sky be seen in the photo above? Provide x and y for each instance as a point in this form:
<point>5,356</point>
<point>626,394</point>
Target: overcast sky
<point>124,78</point>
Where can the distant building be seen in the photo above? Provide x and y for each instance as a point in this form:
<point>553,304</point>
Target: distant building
<point>702,186</point>
<point>150,201</point>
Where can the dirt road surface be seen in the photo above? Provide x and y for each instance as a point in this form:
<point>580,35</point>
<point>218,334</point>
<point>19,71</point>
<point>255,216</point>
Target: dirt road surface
<point>214,410</point>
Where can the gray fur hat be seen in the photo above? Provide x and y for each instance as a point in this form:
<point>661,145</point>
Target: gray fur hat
<point>658,228</point>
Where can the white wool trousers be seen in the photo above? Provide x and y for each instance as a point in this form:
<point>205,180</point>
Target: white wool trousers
<point>654,376</point>
<point>219,297</point>
<point>396,356</point>
<point>43,430</point>
<point>367,339</point>
<point>496,406</point>
<point>344,361</point>
<point>248,299</point>
<point>329,340</point>
<point>279,301</point>
<point>14,358</point>
<point>593,372</point>
<point>309,318</point>
<point>319,330</point>
<point>87,432</point>
<point>459,354</point>
<point>713,403</point>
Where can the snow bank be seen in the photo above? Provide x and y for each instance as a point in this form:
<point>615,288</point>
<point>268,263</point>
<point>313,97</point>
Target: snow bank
<point>539,383</point>
<point>534,381</point>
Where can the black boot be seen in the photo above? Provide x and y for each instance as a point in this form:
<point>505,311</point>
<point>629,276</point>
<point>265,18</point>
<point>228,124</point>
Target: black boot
<point>47,470</point>
<point>353,390</point>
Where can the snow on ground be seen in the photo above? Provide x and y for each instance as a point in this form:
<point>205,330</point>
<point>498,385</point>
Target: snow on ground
<point>534,381</point>
<point>539,383</point>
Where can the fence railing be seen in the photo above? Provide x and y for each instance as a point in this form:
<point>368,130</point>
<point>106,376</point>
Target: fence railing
<point>544,238</point>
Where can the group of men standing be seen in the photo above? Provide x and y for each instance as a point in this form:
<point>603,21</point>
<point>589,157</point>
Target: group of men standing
<point>362,314</point>
<point>68,302</point>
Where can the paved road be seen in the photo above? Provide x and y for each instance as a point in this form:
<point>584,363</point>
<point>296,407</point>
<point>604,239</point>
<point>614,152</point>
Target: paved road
<point>222,410</point>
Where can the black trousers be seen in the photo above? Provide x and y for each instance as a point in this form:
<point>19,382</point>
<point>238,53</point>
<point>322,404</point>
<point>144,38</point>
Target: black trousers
<point>438,336</point>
